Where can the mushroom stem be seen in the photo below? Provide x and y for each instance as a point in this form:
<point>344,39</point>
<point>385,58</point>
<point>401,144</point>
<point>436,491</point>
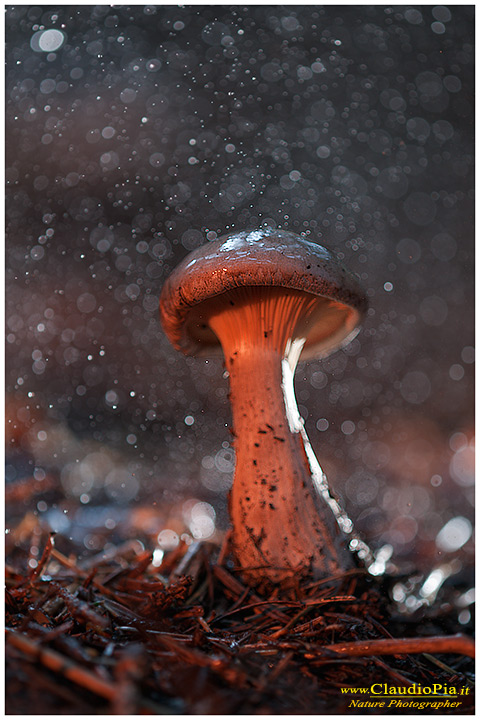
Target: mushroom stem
<point>283,516</point>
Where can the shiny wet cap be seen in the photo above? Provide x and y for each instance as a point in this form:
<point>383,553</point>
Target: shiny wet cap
<point>256,258</point>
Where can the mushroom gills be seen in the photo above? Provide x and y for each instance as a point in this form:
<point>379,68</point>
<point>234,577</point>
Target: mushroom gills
<point>271,311</point>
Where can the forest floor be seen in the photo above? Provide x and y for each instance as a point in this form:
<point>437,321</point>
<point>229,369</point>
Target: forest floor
<point>114,634</point>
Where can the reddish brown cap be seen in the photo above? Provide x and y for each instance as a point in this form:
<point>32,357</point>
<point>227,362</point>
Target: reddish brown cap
<point>266,257</point>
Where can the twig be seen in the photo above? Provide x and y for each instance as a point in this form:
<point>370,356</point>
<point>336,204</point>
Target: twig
<point>81,610</point>
<point>455,644</point>
<point>81,573</point>
<point>62,665</point>
<point>128,672</point>
<point>47,551</point>
<point>191,552</point>
<point>306,607</point>
<point>338,576</point>
<point>36,677</point>
<point>398,677</point>
<point>224,548</point>
<point>141,565</point>
<point>236,587</point>
<point>277,671</point>
<point>444,666</point>
<point>200,659</point>
<point>71,671</point>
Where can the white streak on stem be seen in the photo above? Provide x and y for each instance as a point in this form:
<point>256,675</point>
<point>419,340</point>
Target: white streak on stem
<point>297,425</point>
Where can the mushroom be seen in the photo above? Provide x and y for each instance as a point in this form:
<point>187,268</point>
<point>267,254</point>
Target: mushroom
<point>266,298</point>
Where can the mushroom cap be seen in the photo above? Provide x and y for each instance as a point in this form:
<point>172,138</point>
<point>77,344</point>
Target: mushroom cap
<point>268,258</point>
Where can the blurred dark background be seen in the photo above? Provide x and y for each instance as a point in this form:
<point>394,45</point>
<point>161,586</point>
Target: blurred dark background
<point>137,133</point>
